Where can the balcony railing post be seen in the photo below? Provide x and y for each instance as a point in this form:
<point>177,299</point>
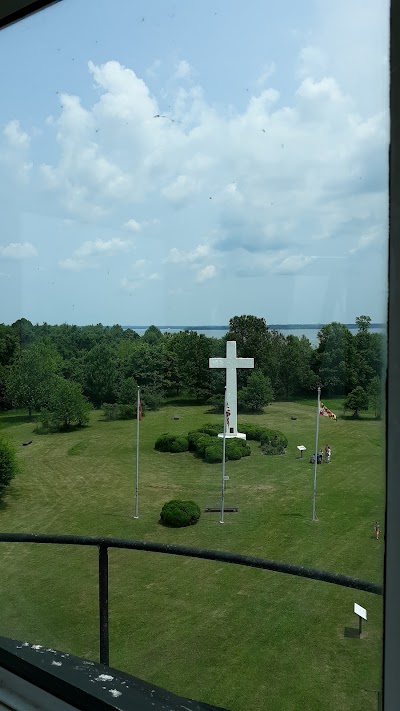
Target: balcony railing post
<point>103,605</point>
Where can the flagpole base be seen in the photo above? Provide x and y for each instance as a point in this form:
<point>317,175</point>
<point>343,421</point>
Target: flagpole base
<point>232,435</point>
<point>136,517</point>
<point>222,521</point>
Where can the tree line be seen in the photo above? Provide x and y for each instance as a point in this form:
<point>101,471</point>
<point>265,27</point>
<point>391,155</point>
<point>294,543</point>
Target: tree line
<point>63,370</point>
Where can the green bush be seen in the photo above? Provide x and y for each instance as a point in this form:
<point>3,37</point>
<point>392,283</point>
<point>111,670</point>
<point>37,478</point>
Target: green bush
<point>171,443</point>
<point>269,449</point>
<point>213,454</point>
<point>8,464</point>
<point>118,411</point>
<point>252,432</point>
<point>178,513</point>
<point>237,448</point>
<point>126,412</point>
<point>198,440</point>
<point>275,438</point>
<point>204,444</point>
<point>180,444</point>
<point>110,411</point>
<point>211,429</point>
<point>164,442</point>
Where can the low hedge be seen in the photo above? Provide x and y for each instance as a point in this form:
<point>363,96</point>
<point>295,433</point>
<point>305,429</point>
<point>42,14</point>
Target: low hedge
<point>252,432</point>
<point>177,513</point>
<point>171,443</point>
<point>274,438</point>
<point>204,445</point>
<point>235,449</point>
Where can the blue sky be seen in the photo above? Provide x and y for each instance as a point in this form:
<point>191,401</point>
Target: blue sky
<point>175,163</point>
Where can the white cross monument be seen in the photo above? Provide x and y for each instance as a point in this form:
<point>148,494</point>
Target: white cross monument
<point>231,363</point>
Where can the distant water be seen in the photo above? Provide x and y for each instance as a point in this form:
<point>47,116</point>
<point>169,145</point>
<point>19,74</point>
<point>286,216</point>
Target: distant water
<point>310,333</point>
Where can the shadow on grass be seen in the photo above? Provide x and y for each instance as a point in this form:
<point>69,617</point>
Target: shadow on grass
<point>351,632</point>
<point>360,418</point>
<point>17,419</point>
<point>293,515</point>
<point>184,402</point>
<point>13,492</point>
<point>63,430</point>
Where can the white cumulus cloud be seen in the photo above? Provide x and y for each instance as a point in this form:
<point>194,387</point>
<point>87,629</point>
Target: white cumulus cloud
<point>100,246</point>
<point>177,256</point>
<point>74,265</point>
<point>18,250</point>
<point>293,264</point>
<point>15,135</point>
<point>208,272</point>
<point>132,225</point>
<point>183,70</point>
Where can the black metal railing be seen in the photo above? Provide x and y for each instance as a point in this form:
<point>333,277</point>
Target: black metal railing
<point>103,544</point>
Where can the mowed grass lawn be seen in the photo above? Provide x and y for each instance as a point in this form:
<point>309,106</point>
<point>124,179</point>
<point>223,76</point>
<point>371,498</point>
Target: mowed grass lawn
<point>231,636</point>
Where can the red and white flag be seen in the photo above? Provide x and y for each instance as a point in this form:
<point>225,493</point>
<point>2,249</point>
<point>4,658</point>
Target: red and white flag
<point>228,414</point>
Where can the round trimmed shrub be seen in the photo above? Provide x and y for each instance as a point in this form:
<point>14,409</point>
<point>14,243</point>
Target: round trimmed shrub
<point>171,443</point>
<point>213,454</point>
<point>269,449</point>
<point>180,444</point>
<point>275,439</point>
<point>252,431</point>
<point>211,429</point>
<point>164,442</point>
<point>192,439</point>
<point>202,442</point>
<point>237,448</point>
<point>177,513</point>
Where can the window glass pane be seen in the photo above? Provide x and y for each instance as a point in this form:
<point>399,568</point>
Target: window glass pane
<point>176,177</point>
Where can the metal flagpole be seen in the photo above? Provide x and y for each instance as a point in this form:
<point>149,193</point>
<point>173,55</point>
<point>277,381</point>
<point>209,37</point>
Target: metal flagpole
<point>223,463</point>
<point>137,455</point>
<point>314,515</point>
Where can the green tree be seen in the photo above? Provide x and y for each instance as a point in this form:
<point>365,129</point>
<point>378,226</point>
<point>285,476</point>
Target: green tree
<point>8,464</point>
<point>24,332</point>
<point>144,362</point>
<point>356,400</point>
<point>152,335</point>
<point>295,371</point>
<point>67,406</point>
<point>126,391</point>
<point>192,352</point>
<point>30,378</point>
<point>375,394</point>
<point>8,344</point>
<point>257,394</point>
<point>335,359</point>
<point>100,374</point>
<point>251,336</point>
<point>363,323</point>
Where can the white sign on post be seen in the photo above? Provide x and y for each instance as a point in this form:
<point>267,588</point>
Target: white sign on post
<point>226,478</point>
<point>360,611</point>
<point>301,449</point>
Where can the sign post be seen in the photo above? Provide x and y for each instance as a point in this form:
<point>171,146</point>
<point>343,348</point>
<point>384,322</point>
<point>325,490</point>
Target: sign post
<point>301,449</point>
<point>362,615</point>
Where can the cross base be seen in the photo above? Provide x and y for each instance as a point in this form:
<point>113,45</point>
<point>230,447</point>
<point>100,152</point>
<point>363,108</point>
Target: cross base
<point>233,435</point>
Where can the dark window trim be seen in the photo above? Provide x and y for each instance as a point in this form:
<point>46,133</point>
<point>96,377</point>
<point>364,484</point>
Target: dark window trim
<point>14,10</point>
<point>391,677</point>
